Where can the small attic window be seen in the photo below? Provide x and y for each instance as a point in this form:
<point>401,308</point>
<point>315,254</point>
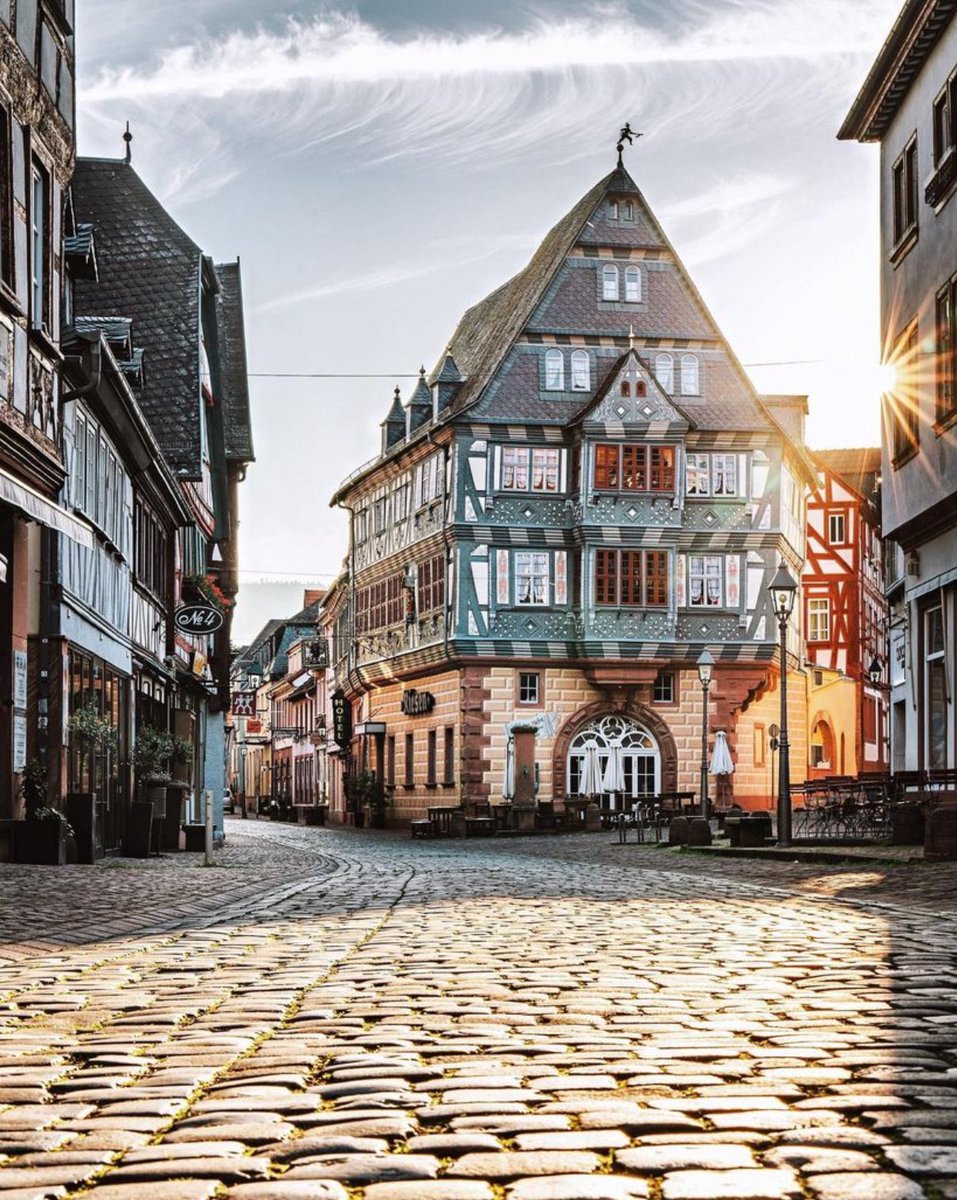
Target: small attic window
<point>613,210</point>
<point>581,372</point>
<point>629,211</point>
<point>665,371</point>
<point>609,282</point>
<point>625,388</point>
<point>554,371</point>
<point>632,285</point>
<point>640,389</point>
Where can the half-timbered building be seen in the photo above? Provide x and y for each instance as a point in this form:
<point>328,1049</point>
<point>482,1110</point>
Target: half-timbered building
<point>845,616</point>
<point>585,495</point>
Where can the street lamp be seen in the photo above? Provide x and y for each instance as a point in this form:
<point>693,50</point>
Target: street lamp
<point>874,670</point>
<point>783,590</point>
<point>705,672</point>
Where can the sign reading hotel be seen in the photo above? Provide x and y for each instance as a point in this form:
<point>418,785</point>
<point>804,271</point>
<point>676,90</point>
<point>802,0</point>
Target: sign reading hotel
<point>341,719</point>
<point>417,704</point>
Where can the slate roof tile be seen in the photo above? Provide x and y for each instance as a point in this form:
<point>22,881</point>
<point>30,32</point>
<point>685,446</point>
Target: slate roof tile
<point>232,350</point>
<point>149,270</point>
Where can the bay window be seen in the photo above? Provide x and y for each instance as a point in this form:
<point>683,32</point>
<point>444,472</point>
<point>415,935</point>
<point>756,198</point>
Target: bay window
<point>711,474</point>
<point>636,578</point>
<point>634,468</point>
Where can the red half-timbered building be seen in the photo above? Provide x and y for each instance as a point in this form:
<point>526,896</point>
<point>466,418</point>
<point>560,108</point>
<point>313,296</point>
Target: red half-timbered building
<point>845,616</point>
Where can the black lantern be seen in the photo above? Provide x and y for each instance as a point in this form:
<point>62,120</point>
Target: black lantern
<point>875,670</point>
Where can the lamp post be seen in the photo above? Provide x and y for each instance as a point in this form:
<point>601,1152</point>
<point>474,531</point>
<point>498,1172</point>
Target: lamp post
<point>773,732</point>
<point>705,672</point>
<point>783,590</point>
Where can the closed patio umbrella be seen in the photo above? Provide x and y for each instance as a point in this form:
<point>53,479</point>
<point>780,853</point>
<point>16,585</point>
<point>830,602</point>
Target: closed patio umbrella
<point>589,782</point>
<point>613,776</point>
<point>721,761</point>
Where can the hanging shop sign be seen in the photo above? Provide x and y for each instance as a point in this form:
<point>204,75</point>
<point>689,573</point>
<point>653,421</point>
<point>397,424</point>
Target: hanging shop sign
<point>341,719</point>
<point>417,704</point>
<point>198,618</point>
<point>244,704</point>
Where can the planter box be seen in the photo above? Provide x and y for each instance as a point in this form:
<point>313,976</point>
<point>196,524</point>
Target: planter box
<point>83,813</point>
<point>173,817</point>
<point>139,830</point>
<point>42,842</point>
<point>195,838</point>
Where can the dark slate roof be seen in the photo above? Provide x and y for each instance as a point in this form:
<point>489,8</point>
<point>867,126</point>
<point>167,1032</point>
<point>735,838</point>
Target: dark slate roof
<point>149,270</point>
<point>232,351</point>
<point>118,331</point>
<point>306,618</point>
<point>488,329</point>
<point>859,468</point>
<point>913,36</point>
<point>449,373</point>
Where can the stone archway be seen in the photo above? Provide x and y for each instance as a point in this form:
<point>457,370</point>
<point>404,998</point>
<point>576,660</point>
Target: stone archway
<point>646,717</point>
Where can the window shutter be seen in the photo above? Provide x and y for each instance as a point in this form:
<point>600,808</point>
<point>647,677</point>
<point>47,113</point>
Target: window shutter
<point>733,581</point>
<point>501,577</point>
<point>681,580</point>
<point>561,577</point>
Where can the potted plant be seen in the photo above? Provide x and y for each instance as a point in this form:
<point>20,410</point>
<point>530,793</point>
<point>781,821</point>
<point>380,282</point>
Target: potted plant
<point>369,799</point>
<point>152,752</point>
<point>43,836</point>
<point>206,589</point>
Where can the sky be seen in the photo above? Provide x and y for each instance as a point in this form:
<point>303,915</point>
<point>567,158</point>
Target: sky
<point>378,167</point>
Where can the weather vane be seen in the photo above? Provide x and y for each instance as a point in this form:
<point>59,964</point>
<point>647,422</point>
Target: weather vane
<point>627,135</point>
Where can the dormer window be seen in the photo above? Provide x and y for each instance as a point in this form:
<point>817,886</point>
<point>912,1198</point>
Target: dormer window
<point>632,285</point>
<point>690,381</point>
<point>609,282</point>
<point>554,371</point>
<point>581,371</point>
<point>613,210</point>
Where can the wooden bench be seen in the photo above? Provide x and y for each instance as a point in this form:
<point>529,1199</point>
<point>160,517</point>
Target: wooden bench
<point>479,822</point>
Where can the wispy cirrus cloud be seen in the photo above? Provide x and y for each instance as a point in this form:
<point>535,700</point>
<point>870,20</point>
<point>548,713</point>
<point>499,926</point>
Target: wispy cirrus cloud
<point>338,81</point>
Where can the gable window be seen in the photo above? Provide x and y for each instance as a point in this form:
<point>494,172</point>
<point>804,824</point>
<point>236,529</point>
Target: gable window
<point>531,578</point>
<point>632,285</point>
<point>39,247</point>
<point>665,371</point>
<point>554,370</point>
<point>637,578</point>
<point>634,468</point>
<point>903,403</point>
<point>529,687</point>
<point>837,528</point>
<point>609,282</point>
<point>526,468</point>
<point>904,191</point>
<point>690,381</point>
<point>629,211</point>
<point>581,371</point>
<point>819,619</point>
<point>613,210</point>
<point>704,580</point>
<point>946,342</point>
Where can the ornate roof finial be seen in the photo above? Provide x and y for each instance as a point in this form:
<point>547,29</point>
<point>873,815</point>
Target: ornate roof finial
<point>398,394</point>
<point>631,337</point>
<point>627,135</point>
<point>128,137</point>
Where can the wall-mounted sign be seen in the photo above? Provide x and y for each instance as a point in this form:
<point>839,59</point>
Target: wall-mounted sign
<point>417,704</point>
<point>319,653</point>
<point>198,664</point>
<point>254,725</point>
<point>244,704</point>
<point>19,679</point>
<point>198,618</point>
<point>341,719</point>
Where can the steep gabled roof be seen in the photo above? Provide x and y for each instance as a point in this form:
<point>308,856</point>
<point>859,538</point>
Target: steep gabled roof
<point>486,332</point>
<point>859,468</point>
<point>237,426</point>
<point>543,301</point>
<point>149,270</point>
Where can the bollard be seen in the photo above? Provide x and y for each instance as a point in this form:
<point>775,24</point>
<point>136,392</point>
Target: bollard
<point>678,831</point>
<point>699,832</point>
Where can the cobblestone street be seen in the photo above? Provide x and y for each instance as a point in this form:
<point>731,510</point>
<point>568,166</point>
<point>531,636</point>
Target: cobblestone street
<point>331,1014</point>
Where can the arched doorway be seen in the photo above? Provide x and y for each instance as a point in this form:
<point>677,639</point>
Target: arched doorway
<point>615,736</point>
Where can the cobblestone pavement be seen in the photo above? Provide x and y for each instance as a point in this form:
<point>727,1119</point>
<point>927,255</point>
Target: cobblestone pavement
<point>345,1015</point>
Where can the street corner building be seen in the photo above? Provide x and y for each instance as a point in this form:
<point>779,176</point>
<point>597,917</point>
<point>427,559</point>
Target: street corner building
<point>584,496</point>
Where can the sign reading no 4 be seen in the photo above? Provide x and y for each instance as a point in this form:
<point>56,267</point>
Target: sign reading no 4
<point>198,618</point>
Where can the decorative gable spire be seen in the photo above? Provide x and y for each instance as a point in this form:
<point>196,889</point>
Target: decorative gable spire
<point>446,384</point>
<point>419,408</point>
<point>393,427</point>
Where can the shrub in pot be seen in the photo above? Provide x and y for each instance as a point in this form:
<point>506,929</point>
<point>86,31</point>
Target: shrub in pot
<point>152,752</point>
<point>45,834</point>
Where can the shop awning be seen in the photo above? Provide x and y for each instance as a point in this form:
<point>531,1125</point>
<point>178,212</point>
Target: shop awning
<point>38,508</point>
